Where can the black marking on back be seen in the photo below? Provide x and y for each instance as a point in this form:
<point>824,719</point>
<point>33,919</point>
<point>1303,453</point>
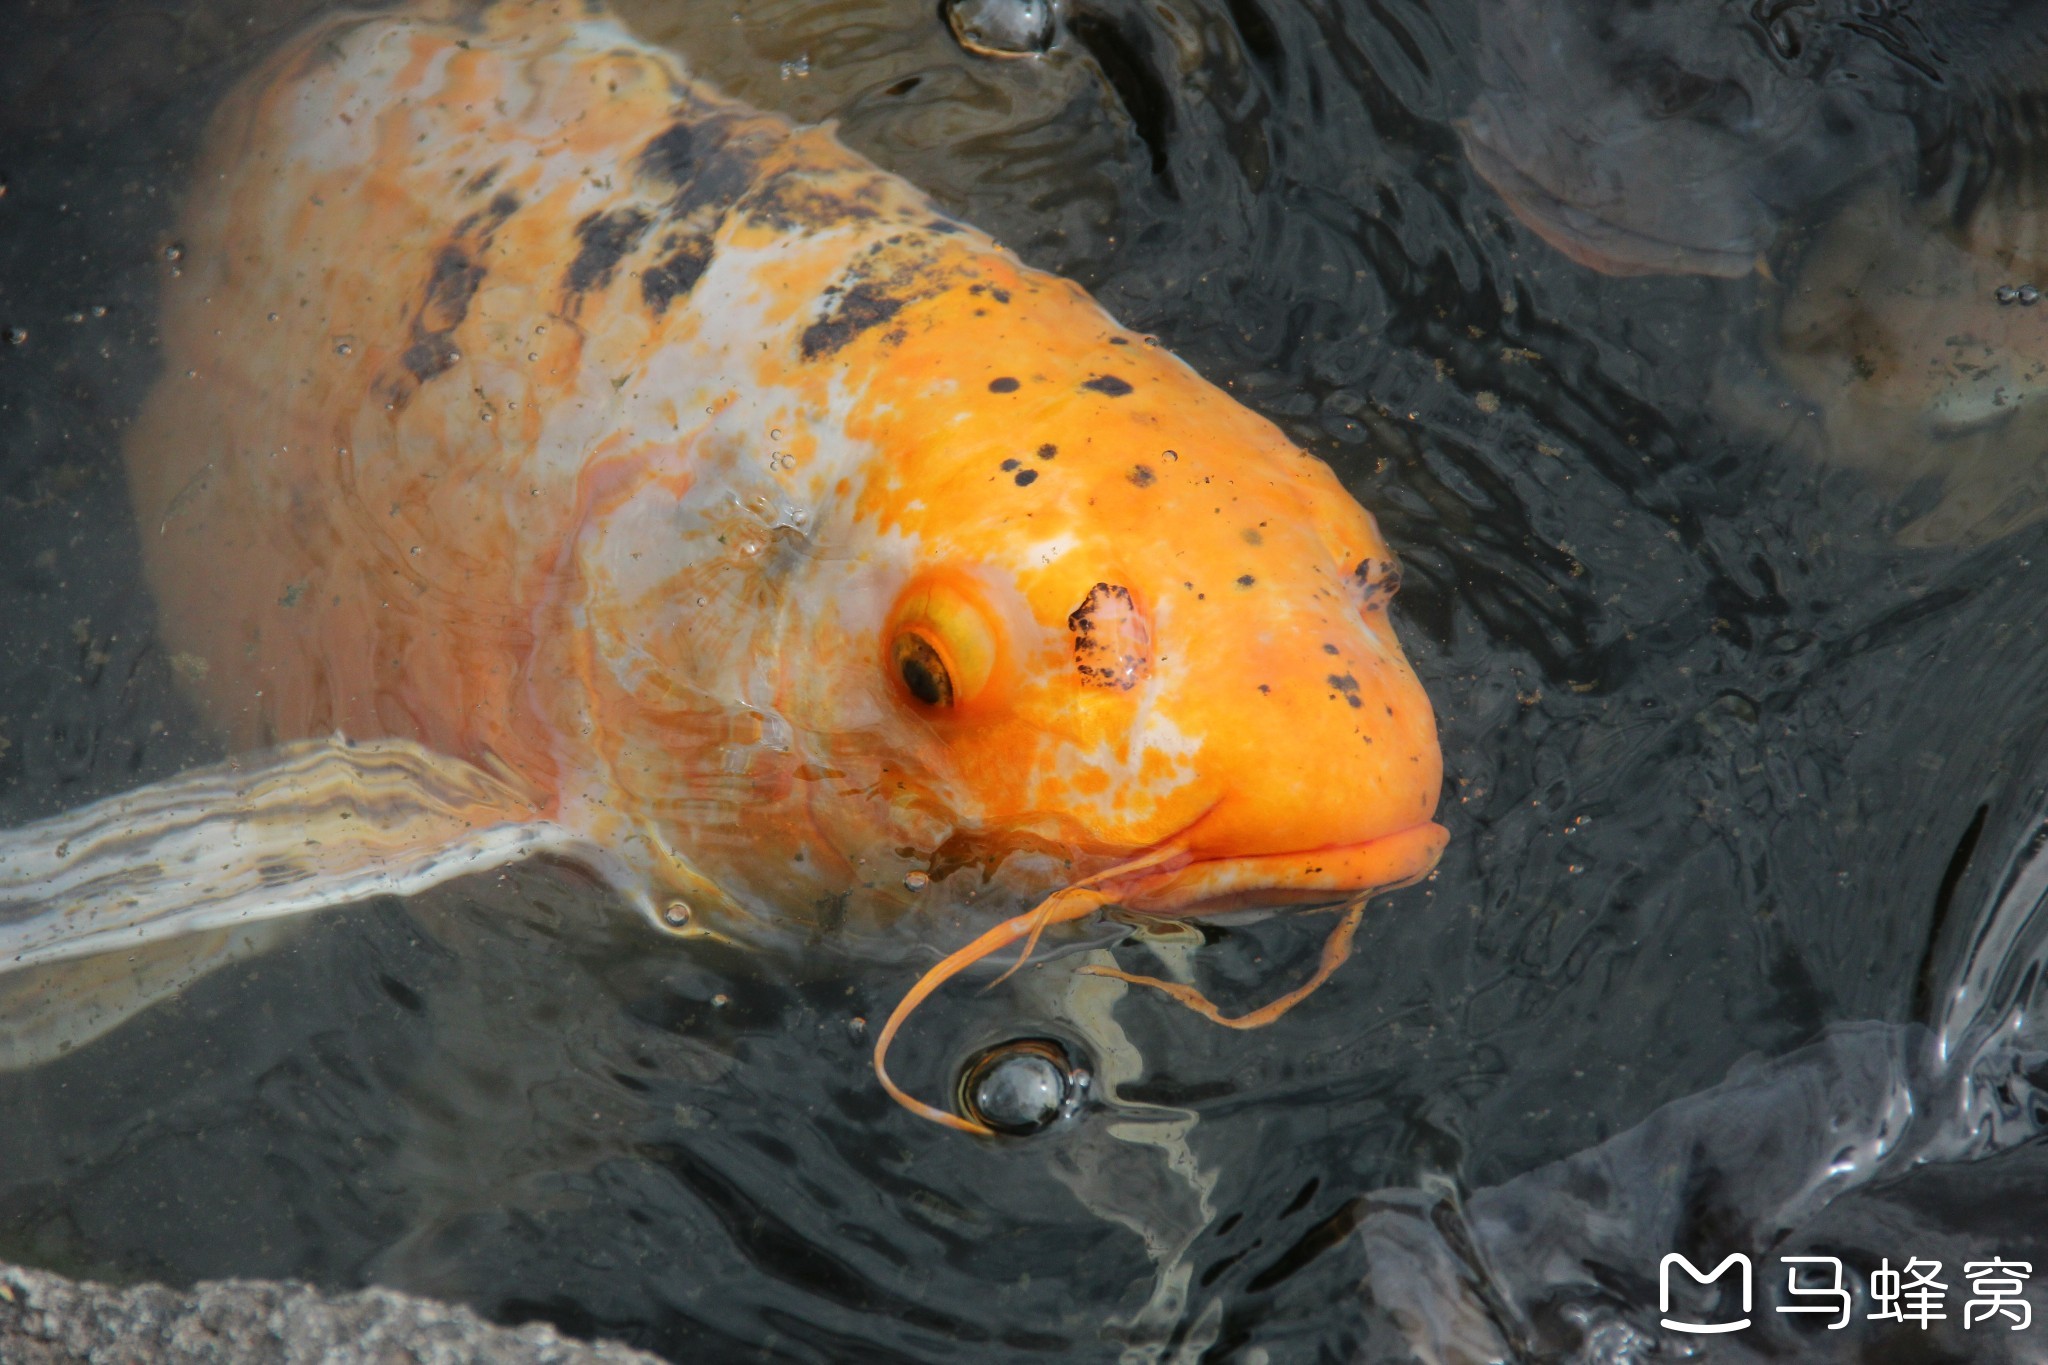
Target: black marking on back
<point>1108,384</point>
<point>793,201</point>
<point>675,273</point>
<point>878,285</point>
<point>860,309</point>
<point>483,180</point>
<point>607,238</point>
<point>671,155</point>
<point>711,160</point>
<point>451,284</point>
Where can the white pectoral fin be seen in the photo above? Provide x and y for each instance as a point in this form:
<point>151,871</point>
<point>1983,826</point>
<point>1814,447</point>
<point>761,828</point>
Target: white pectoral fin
<point>307,826</point>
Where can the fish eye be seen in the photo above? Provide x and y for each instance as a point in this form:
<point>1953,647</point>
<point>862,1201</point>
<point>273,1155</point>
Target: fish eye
<point>941,647</point>
<point>922,668</point>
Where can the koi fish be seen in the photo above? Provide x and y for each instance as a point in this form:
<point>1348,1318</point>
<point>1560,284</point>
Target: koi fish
<point>555,454</point>
<point>1678,137</point>
<point>1916,344</point>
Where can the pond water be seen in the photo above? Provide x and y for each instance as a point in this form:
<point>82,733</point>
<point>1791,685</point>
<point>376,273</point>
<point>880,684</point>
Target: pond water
<point>1726,599</point>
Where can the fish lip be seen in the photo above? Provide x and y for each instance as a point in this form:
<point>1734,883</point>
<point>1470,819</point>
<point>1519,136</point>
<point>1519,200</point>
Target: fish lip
<point>1573,232</point>
<point>1195,887</point>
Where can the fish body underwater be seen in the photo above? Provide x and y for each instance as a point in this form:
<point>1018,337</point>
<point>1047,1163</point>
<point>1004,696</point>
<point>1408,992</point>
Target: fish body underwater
<point>1682,136</point>
<point>528,401</point>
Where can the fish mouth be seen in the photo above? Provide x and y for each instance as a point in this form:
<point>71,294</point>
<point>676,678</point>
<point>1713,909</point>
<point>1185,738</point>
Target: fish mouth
<point>1585,237</point>
<point>1212,886</point>
<point>1167,881</point>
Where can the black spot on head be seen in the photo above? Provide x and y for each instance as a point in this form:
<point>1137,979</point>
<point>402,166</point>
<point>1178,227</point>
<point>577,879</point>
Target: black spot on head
<point>676,273</point>
<point>1142,476</point>
<point>1047,451</point>
<point>999,295</point>
<point>1245,580</point>
<point>862,308</point>
<point>1009,465</point>
<point>1343,682</point>
<point>1329,649</point>
<point>1026,477</point>
<point>606,240</point>
<point>1118,341</point>
<point>1264,690</point>
<point>1108,384</point>
<point>1003,385</point>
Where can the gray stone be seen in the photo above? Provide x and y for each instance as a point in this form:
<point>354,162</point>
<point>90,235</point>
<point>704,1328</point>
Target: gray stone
<point>48,1320</point>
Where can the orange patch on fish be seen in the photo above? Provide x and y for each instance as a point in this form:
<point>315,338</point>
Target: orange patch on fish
<point>529,400</point>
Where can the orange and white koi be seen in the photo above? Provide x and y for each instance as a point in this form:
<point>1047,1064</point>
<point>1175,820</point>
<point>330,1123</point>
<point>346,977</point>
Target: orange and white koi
<point>530,402</point>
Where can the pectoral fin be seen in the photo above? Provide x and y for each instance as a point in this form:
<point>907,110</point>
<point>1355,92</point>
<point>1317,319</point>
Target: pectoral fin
<point>299,828</point>
<point>48,1010</point>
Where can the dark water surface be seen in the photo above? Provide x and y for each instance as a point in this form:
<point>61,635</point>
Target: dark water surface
<point>1722,728</point>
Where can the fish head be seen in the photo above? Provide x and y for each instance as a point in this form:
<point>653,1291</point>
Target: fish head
<point>1107,624</point>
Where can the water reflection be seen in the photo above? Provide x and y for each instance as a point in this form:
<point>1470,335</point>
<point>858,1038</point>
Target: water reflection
<point>1715,735</point>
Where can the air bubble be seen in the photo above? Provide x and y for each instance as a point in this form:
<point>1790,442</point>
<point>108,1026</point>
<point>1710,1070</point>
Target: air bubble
<point>1021,1087</point>
<point>797,68</point>
<point>916,881</point>
<point>676,914</point>
<point>16,335</point>
<point>174,252</point>
<point>1001,28</point>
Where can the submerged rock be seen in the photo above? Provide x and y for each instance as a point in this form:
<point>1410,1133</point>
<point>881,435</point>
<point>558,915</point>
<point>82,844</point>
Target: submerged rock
<point>46,1319</point>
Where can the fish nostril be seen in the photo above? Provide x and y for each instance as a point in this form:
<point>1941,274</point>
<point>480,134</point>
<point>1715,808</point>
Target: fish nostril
<point>1376,580</point>
<point>1112,639</point>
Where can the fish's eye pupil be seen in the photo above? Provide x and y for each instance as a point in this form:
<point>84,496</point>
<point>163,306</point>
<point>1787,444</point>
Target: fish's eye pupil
<point>922,670</point>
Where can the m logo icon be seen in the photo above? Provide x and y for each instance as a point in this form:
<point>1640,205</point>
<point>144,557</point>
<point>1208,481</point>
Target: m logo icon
<point>1664,1291</point>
